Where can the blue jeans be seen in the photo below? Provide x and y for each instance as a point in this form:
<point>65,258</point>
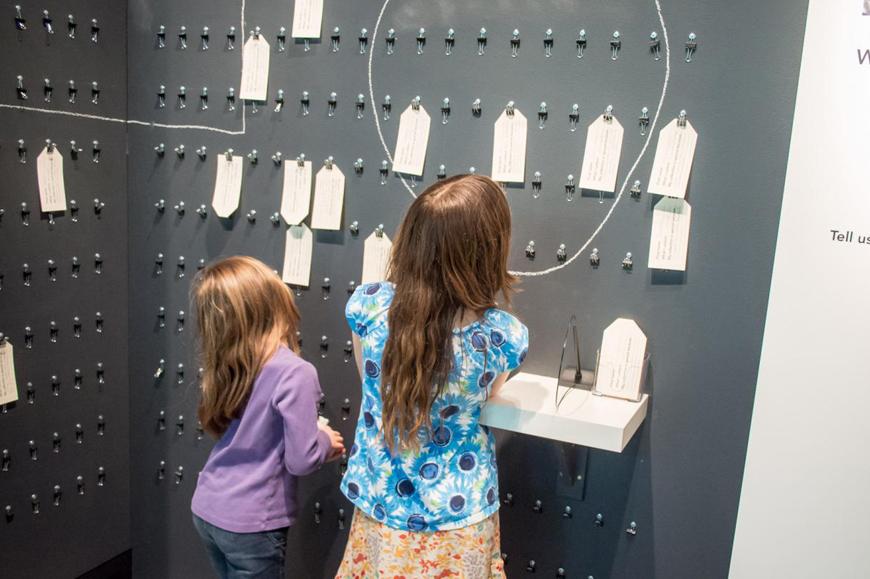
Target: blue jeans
<point>244,555</point>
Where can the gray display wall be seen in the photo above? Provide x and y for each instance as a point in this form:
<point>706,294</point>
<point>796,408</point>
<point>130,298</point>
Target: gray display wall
<point>72,418</point>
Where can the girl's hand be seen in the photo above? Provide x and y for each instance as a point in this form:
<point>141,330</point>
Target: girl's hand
<point>336,441</point>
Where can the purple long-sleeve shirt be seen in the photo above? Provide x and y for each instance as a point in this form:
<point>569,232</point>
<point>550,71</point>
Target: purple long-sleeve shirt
<point>248,483</point>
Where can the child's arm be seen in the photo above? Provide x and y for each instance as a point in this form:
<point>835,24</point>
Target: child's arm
<point>306,446</point>
<point>357,353</point>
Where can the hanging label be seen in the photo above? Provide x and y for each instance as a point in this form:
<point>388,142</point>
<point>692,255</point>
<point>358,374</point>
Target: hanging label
<point>227,185</point>
<point>669,242</point>
<point>49,174</point>
<point>509,148</point>
<point>255,69</point>
<point>673,161</point>
<point>410,155</point>
<point>296,193</point>
<point>621,360</point>
<point>601,158</point>
<point>8,385</point>
<point>328,199</point>
<point>307,18</point>
<point>298,247</point>
<point>376,258</point>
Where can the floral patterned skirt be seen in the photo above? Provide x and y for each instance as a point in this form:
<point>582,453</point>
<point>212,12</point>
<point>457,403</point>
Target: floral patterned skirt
<point>376,551</point>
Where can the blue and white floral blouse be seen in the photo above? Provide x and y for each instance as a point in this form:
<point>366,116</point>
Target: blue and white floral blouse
<point>451,481</point>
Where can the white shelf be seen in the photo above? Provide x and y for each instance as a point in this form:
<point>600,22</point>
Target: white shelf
<point>527,404</point>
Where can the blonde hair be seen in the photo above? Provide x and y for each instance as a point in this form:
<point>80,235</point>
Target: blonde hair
<point>243,312</point>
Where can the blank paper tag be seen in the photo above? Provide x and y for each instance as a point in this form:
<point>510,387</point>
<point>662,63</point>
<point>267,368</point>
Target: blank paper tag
<point>255,69</point>
<point>328,199</point>
<point>673,162</point>
<point>509,148</point>
<point>601,158</point>
<point>376,257</point>
<point>8,385</point>
<point>227,185</point>
<point>49,173</point>
<point>621,359</point>
<point>296,194</point>
<point>307,16</point>
<point>669,242</point>
<point>298,247</point>
<point>413,139</point>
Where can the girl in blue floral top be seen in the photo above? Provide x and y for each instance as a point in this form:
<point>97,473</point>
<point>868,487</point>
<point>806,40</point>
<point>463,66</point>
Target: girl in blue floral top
<point>431,346</point>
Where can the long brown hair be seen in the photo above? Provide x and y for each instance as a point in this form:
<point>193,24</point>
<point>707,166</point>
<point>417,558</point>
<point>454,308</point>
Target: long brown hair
<point>243,312</point>
<point>449,258</point>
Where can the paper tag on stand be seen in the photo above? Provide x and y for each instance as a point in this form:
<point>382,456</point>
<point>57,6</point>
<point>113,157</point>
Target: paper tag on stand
<point>509,148</point>
<point>49,173</point>
<point>298,247</point>
<point>255,69</point>
<point>410,155</point>
<point>296,193</point>
<point>307,18</point>
<point>8,385</point>
<point>673,161</point>
<point>621,360</point>
<point>669,242</point>
<point>328,199</point>
<point>227,185</point>
<point>376,258</point>
<point>601,157</point>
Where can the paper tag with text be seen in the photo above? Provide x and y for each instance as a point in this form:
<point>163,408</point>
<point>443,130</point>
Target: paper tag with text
<point>601,158</point>
<point>673,161</point>
<point>255,69</point>
<point>509,148</point>
<point>669,242</point>
<point>410,154</point>
<point>8,385</point>
<point>298,248</point>
<point>621,360</point>
<point>227,185</point>
<point>296,193</point>
<point>49,173</point>
<point>328,199</point>
<point>307,18</point>
<point>376,257</point>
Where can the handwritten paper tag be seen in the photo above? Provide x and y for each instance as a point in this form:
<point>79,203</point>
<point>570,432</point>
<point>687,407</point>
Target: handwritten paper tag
<point>601,158</point>
<point>328,199</point>
<point>8,385</point>
<point>621,360</point>
<point>307,17</point>
<point>49,174</point>
<point>296,193</point>
<point>673,161</point>
<point>376,257</point>
<point>255,69</point>
<point>509,148</point>
<point>410,155</point>
<point>669,242</point>
<point>227,185</point>
<point>298,247</point>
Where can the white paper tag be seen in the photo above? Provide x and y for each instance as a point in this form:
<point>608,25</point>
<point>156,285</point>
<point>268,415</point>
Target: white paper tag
<point>376,257</point>
<point>669,242</point>
<point>410,155</point>
<point>601,158</point>
<point>296,193</point>
<point>307,17</point>
<point>621,360</point>
<point>255,69</point>
<point>227,185</point>
<point>8,385</point>
<point>328,199</point>
<point>49,173</point>
<point>673,161</point>
<point>298,247</point>
<point>509,148</point>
